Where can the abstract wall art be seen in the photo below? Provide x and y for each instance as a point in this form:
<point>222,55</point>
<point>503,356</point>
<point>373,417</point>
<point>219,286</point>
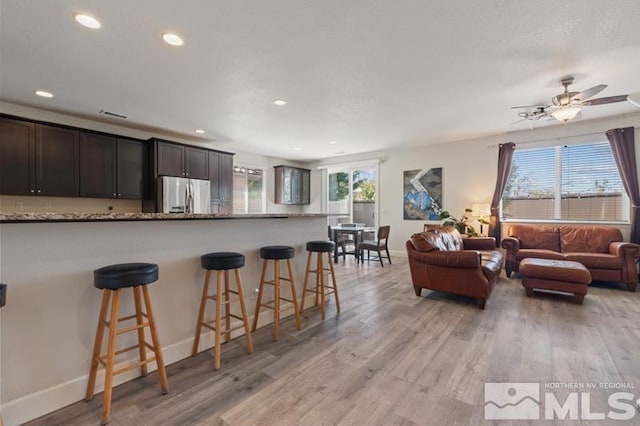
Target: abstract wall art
<point>423,194</point>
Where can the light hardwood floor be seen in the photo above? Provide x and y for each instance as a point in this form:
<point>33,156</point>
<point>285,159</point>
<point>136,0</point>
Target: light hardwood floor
<point>393,358</point>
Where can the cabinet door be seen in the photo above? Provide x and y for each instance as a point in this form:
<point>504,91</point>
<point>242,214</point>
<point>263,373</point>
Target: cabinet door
<point>131,169</point>
<point>225,180</point>
<point>305,190</point>
<point>17,146</point>
<point>97,165</point>
<point>214,175</point>
<point>170,159</point>
<point>196,163</point>
<point>57,161</point>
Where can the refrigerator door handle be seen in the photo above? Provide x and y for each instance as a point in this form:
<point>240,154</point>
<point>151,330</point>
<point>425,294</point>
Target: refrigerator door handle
<point>187,198</point>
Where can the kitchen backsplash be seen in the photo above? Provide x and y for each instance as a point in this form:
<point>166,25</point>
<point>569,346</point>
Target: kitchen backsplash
<point>27,204</point>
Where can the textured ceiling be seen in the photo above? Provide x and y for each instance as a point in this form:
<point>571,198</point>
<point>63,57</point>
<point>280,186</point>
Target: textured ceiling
<point>368,74</point>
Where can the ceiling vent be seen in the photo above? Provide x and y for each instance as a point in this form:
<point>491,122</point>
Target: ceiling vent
<point>113,114</point>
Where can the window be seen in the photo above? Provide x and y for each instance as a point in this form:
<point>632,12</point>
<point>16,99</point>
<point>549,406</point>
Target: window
<point>248,190</point>
<point>567,183</point>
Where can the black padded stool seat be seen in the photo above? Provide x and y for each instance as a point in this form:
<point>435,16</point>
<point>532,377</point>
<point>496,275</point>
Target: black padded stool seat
<point>277,252</point>
<point>123,275</point>
<point>222,260</point>
<point>320,246</point>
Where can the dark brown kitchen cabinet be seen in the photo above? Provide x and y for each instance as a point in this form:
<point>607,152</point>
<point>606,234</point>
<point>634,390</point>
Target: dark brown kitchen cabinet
<point>221,181</point>
<point>112,167</point>
<point>292,185</point>
<point>182,161</point>
<point>36,159</point>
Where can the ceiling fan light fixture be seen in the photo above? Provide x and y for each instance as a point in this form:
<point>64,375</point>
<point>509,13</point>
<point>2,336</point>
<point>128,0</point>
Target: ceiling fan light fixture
<point>566,113</point>
<point>634,98</point>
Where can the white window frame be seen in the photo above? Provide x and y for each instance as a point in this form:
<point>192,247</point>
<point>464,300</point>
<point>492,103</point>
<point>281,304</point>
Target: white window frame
<point>246,191</point>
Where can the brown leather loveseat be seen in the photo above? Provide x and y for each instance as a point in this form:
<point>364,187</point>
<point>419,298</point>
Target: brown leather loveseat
<point>442,260</point>
<point>599,248</point>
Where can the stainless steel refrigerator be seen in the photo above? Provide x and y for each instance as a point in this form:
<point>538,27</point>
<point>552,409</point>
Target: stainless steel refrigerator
<point>182,195</point>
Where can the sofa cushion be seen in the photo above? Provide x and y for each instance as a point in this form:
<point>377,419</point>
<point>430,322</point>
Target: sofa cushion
<point>451,238</point>
<point>422,243</point>
<point>588,239</point>
<point>536,236</point>
<point>596,260</point>
<point>539,254</point>
<point>491,263</point>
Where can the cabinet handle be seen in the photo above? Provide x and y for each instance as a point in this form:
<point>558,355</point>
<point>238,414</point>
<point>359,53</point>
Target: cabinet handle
<point>39,191</point>
<point>187,174</point>
<point>33,190</point>
<point>119,195</point>
<point>114,194</point>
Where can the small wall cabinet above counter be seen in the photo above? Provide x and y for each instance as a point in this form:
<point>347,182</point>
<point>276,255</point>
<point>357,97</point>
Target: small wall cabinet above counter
<point>38,159</point>
<point>181,160</point>
<point>292,185</point>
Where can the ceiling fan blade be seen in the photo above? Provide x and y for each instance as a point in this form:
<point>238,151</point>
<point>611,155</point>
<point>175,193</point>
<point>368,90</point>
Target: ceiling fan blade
<point>586,94</point>
<point>607,100</point>
<point>530,106</point>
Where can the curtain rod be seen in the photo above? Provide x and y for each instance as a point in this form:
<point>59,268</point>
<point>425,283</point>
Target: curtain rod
<point>603,133</point>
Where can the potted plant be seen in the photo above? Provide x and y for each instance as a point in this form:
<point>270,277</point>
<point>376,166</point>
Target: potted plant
<point>461,224</point>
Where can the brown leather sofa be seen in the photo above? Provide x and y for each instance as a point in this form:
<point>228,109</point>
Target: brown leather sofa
<point>442,260</point>
<point>599,248</point>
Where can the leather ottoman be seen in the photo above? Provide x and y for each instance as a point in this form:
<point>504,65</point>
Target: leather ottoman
<point>557,275</point>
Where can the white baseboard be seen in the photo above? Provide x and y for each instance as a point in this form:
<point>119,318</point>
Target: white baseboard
<point>37,404</point>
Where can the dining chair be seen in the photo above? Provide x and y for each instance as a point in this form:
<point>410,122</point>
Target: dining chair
<point>340,242</point>
<point>376,245</point>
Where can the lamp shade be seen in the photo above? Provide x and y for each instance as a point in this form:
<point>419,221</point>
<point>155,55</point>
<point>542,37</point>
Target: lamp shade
<point>566,113</point>
<point>481,209</point>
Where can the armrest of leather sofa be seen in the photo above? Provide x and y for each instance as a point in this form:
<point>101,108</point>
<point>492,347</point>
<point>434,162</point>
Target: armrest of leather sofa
<point>622,249</point>
<point>451,259</point>
<point>479,243</point>
<point>511,244</point>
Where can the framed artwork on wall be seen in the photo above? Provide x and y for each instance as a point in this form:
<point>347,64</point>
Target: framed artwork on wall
<point>422,194</point>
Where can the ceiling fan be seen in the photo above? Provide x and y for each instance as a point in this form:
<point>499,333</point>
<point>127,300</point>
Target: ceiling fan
<point>567,105</point>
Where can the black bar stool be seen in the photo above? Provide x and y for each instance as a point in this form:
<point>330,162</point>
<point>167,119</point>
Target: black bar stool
<point>112,279</point>
<point>276,254</point>
<point>3,301</point>
<point>320,248</point>
<point>222,262</point>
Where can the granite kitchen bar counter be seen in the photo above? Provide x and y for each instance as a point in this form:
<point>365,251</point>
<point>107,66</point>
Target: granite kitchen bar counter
<point>100,217</point>
<point>48,328</point>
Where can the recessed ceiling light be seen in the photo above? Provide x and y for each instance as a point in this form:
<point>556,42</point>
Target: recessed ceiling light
<point>87,20</point>
<point>200,131</point>
<point>280,102</point>
<point>43,93</point>
<point>172,39</point>
<point>332,142</point>
<point>297,149</point>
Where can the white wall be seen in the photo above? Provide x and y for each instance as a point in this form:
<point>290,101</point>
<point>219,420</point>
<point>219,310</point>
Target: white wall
<point>469,169</point>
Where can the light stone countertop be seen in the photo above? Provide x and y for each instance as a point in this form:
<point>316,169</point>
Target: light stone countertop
<point>105,217</point>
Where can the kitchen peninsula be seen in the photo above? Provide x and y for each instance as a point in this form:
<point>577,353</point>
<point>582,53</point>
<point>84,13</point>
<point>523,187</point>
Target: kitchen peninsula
<point>48,259</point>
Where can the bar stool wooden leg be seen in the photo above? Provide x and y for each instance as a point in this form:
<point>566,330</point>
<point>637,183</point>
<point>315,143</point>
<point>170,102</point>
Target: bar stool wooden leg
<point>243,308</point>
<point>306,281</point>
<point>216,356</point>
<point>203,306</point>
<point>111,355</point>
<point>227,316</point>
<point>320,283</point>
<point>333,278</point>
<point>294,297</point>
<point>157,349</point>
<point>97,345</point>
<point>276,299</point>
<point>260,290</point>
<point>142,350</point>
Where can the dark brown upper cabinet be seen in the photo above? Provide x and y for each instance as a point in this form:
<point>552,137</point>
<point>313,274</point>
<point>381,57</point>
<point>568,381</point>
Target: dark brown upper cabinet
<point>292,185</point>
<point>37,159</point>
<point>112,167</point>
<point>221,181</point>
<point>182,161</point>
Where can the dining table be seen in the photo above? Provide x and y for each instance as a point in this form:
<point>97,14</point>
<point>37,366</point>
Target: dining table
<point>357,230</point>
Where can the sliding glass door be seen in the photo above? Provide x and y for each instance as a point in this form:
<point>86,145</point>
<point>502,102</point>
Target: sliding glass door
<point>352,195</point>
